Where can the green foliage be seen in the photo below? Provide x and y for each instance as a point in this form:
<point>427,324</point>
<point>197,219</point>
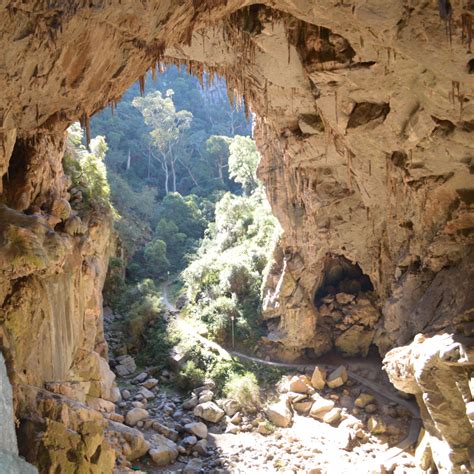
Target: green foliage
<point>243,162</point>
<point>190,376</point>
<point>224,281</point>
<point>87,169</point>
<point>155,254</point>
<point>245,390</point>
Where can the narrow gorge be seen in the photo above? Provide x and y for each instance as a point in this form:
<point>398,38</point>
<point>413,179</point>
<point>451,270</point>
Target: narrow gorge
<point>364,119</point>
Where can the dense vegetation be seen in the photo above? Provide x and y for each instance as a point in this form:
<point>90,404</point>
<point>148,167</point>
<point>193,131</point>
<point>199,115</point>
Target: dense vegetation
<point>182,174</point>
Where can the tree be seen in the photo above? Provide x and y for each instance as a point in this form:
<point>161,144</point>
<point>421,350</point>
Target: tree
<point>217,149</point>
<point>155,253</point>
<point>243,162</point>
<point>168,126</point>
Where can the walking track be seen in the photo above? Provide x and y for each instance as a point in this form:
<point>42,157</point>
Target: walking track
<point>389,455</point>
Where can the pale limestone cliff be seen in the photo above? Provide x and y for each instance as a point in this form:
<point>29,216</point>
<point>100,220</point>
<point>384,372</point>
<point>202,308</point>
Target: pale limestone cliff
<point>365,119</point>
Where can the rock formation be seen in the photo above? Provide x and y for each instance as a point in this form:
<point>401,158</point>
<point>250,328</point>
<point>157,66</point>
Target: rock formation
<point>365,116</point>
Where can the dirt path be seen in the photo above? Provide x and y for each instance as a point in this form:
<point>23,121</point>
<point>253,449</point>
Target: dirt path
<point>391,454</point>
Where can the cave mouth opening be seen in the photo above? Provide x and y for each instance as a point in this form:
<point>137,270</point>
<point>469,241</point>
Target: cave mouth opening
<point>340,275</point>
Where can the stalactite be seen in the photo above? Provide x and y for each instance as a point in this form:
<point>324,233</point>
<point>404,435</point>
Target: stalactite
<point>141,81</point>
<point>153,71</point>
<point>466,35</point>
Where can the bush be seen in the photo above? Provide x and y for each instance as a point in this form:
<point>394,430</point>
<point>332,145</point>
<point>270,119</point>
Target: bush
<point>245,390</point>
<point>190,376</point>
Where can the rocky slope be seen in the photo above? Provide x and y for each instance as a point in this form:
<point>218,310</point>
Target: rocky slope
<point>365,119</point>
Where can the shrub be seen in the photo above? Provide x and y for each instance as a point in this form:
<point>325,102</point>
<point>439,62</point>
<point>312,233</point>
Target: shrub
<point>190,376</point>
<point>245,390</point>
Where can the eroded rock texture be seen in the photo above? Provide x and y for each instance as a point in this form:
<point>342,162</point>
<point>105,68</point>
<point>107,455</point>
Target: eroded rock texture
<point>365,119</point>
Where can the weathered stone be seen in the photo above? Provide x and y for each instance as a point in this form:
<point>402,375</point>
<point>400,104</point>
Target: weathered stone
<point>135,415</point>
<point>376,425</point>
<point>170,433</point>
<point>300,384</point>
<point>363,399</point>
<point>201,447</point>
<point>337,378</point>
<point>206,396</point>
<point>163,450</point>
<point>332,416</point>
<point>209,411</point>
<point>231,407</point>
<point>303,407</point>
<point>149,395</point>
<point>318,379</point>
<point>190,403</point>
<point>199,429</point>
<point>126,365</point>
<point>137,444</point>
<point>141,377</point>
<point>279,414</point>
<point>320,407</point>
<point>150,383</point>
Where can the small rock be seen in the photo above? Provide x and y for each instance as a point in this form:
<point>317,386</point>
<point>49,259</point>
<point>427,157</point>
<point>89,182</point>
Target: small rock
<point>236,419</point>
<point>320,407</point>
<point>190,403</point>
<point>138,405</point>
<point>199,429</point>
<point>149,395</point>
<point>189,441</point>
<point>338,377</point>
<point>201,447</point>
<point>150,384</point>
<point>193,467</point>
<point>303,408</point>
<point>126,394</point>
<point>376,425</point>
<point>332,416</point>
<point>165,430</point>
<point>344,298</point>
<point>371,408</point>
<point>300,384</point>
<point>206,396</point>
<point>264,428</point>
<point>363,399</point>
<point>141,377</point>
<point>135,415</point>
<point>318,379</point>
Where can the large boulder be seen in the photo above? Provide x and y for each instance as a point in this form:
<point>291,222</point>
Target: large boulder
<point>120,435</point>
<point>209,411</point>
<point>163,450</point>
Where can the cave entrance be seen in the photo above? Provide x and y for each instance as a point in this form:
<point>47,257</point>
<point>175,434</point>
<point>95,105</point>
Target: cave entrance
<point>342,276</point>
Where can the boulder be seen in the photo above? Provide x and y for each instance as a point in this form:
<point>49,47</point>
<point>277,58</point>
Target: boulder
<point>338,377</point>
<point>126,365</point>
<point>206,396</point>
<point>318,379</point>
<point>199,429</point>
<point>163,451</point>
<point>320,407</point>
<point>135,415</point>
<point>231,407</point>
<point>137,444</point>
<point>209,411</point>
<point>280,414</point>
